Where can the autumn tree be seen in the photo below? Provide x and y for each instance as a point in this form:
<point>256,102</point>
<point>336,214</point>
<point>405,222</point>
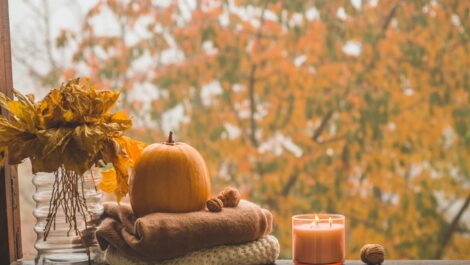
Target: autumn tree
<point>336,106</point>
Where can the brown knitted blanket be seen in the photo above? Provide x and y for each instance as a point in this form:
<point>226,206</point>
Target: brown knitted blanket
<point>160,236</point>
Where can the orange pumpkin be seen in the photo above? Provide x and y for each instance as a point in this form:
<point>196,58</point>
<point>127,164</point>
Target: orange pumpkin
<point>169,177</point>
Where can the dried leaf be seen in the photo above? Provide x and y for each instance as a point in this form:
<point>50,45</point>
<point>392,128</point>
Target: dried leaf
<point>108,181</point>
<point>122,176</point>
<point>132,147</point>
<point>8,132</point>
<point>26,99</point>
<point>25,114</point>
<point>68,116</point>
<point>70,127</point>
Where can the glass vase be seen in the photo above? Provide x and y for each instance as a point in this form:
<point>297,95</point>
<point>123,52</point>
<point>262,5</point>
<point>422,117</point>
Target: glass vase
<point>63,244</point>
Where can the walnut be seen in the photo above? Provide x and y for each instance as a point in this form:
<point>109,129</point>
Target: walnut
<point>372,254</point>
<point>214,205</point>
<point>230,197</point>
<point>86,237</point>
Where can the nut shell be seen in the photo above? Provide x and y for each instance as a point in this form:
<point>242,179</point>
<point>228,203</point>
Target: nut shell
<point>214,205</point>
<point>372,254</point>
<point>86,237</point>
<point>230,197</point>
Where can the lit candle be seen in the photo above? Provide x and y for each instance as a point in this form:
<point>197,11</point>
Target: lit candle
<point>318,239</point>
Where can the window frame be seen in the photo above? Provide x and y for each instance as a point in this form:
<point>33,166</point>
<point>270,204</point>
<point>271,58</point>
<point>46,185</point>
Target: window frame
<point>10,228</point>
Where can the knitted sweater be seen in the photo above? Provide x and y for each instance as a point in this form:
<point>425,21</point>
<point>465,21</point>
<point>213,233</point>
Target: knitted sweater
<point>262,251</point>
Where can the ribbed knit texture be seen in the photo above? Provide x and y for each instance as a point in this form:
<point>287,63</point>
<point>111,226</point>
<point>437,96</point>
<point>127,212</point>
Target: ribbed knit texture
<point>160,236</point>
<point>262,251</point>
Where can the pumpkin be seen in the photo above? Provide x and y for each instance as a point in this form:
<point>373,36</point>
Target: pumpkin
<point>169,177</point>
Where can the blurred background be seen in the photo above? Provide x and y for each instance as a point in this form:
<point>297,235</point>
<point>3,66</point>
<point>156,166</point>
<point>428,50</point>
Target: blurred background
<point>353,107</point>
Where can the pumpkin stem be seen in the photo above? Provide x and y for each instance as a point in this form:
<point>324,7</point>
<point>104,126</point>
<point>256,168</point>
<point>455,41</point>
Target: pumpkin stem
<point>170,138</point>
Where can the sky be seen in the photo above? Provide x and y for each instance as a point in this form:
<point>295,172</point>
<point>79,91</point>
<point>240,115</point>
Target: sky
<point>27,28</point>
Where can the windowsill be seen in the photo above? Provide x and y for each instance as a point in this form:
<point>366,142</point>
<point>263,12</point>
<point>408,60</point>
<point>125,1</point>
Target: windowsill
<point>349,262</point>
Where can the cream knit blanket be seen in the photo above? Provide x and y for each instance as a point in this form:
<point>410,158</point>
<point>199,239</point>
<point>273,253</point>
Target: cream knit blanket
<point>262,251</point>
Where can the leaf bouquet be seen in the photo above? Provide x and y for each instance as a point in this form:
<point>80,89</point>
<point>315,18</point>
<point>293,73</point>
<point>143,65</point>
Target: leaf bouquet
<point>69,131</point>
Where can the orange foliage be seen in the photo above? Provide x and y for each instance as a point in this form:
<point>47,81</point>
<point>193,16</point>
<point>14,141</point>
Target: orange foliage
<point>309,106</point>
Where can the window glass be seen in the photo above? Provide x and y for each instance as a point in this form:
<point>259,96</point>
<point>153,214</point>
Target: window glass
<point>352,107</point>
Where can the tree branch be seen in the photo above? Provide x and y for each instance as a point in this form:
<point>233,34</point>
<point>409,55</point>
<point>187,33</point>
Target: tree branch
<point>29,68</point>
<point>289,185</point>
<point>252,81</point>
<point>345,156</point>
<point>48,42</point>
<point>322,126</point>
<point>293,178</point>
<point>251,95</point>
<point>381,35</point>
<point>389,18</point>
<point>452,228</point>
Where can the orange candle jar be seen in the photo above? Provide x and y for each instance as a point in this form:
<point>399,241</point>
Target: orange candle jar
<point>318,239</point>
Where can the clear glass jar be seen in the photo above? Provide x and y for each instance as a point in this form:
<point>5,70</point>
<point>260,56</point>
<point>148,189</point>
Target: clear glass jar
<point>318,239</point>
<point>64,246</point>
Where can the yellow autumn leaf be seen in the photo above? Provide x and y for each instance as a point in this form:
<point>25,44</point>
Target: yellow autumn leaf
<point>119,116</point>
<point>68,116</point>
<point>108,180</point>
<point>71,126</point>
<point>122,176</point>
<point>116,179</point>
<point>132,147</point>
<point>24,113</point>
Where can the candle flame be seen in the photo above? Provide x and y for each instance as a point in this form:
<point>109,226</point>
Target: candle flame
<point>315,222</point>
<point>330,221</point>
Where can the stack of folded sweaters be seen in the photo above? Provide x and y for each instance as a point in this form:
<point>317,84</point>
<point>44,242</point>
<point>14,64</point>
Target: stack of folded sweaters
<point>238,235</point>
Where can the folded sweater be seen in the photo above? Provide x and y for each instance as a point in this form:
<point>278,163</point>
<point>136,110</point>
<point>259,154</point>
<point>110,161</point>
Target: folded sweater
<point>160,236</point>
<point>262,251</point>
